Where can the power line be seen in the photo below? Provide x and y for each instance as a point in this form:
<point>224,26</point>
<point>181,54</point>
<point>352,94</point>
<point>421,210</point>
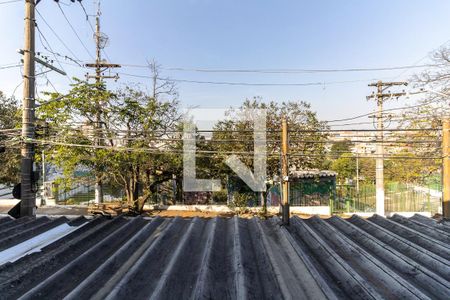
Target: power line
<point>55,99</point>
<point>351,124</point>
<point>57,36</point>
<point>122,148</point>
<point>75,32</point>
<point>250,141</point>
<point>244,83</point>
<point>375,130</point>
<point>87,16</point>
<point>42,38</point>
<point>68,126</point>
<point>421,59</point>
<point>92,26</point>
<point>51,84</point>
<point>75,63</point>
<point>224,82</point>
<point>9,66</point>
<point>17,86</point>
<point>279,131</point>
<point>10,1</point>
<point>385,110</point>
<point>211,152</point>
<point>286,71</point>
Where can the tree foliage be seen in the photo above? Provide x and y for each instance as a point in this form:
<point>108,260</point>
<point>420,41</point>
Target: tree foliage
<point>426,114</point>
<point>72,124</point>
<point>340,147</point>
<point>406,168</point>
<point>345,166</point>
<point>145,124</point>
<point>124,149</point>
<point>10,158</point>
<point>306,136</point>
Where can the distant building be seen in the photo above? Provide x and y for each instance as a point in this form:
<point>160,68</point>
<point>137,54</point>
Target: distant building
<point>364,143</point>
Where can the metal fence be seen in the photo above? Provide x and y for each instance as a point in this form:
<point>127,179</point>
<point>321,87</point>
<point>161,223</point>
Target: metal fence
<point>77,193</point>
<point>399,197</point>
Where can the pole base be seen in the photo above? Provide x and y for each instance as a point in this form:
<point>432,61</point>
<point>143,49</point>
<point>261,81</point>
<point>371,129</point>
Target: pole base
<point>285,214</point>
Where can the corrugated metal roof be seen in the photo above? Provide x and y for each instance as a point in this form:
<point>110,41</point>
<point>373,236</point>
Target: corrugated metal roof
<point>230,258</point>
<point>312,173</point>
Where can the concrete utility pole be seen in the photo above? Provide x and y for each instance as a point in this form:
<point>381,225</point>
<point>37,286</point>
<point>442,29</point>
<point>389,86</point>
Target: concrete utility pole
<point>446,168</point>
<point>379,165</point>
<point>380,96</point>
<point>99,66</point>
<point>285,170</point>
<point>28,195</point>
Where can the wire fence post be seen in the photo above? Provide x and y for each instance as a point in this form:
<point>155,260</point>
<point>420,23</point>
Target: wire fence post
<point>446,169</point>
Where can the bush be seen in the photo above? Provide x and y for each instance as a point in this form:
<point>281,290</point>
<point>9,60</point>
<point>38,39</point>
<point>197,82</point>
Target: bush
<point>220,197</point>
<point>240,202</point>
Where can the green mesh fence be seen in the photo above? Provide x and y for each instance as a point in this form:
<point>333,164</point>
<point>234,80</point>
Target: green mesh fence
<point>399,197</point>
<point>311,192</point>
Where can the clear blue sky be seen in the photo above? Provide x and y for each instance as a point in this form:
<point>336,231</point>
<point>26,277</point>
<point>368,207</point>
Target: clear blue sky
<point>244,34</point>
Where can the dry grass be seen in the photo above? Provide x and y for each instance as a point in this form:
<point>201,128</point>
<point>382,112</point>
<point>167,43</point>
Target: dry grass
<point>208,214</point>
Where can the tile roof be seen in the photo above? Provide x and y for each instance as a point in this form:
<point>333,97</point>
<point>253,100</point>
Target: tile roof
<point>230,258</point>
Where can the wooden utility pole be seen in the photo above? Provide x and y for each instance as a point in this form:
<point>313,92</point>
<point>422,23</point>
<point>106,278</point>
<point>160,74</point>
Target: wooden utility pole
<point>285,171</point>
<point>446,168</point>
<point>379,168</point>
<point>99,66</point>
<point>28,195</point>
<point>357,174</point>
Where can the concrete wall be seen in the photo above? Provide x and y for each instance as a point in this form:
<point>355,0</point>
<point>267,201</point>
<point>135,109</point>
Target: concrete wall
<point>406,214</point>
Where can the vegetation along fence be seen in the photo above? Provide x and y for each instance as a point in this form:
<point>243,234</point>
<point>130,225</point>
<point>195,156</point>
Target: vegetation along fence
<point>399,197</point>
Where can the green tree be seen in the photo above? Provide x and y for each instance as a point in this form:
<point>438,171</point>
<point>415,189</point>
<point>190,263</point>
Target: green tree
<point>427,114</point>
<point>10,152</point>
<point>72,120</point>
<point>134,135</point>
<point>146,127</point>
<point>340,147</point>
<point>307,137</point>
<point>412,169</point>
<point>367,169</point>
<point>345,166</point>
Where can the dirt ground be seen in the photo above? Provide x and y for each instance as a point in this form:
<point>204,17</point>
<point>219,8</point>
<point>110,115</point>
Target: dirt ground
<point>187,214</point>
<point>80,211</point>
<point>192,214</point>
